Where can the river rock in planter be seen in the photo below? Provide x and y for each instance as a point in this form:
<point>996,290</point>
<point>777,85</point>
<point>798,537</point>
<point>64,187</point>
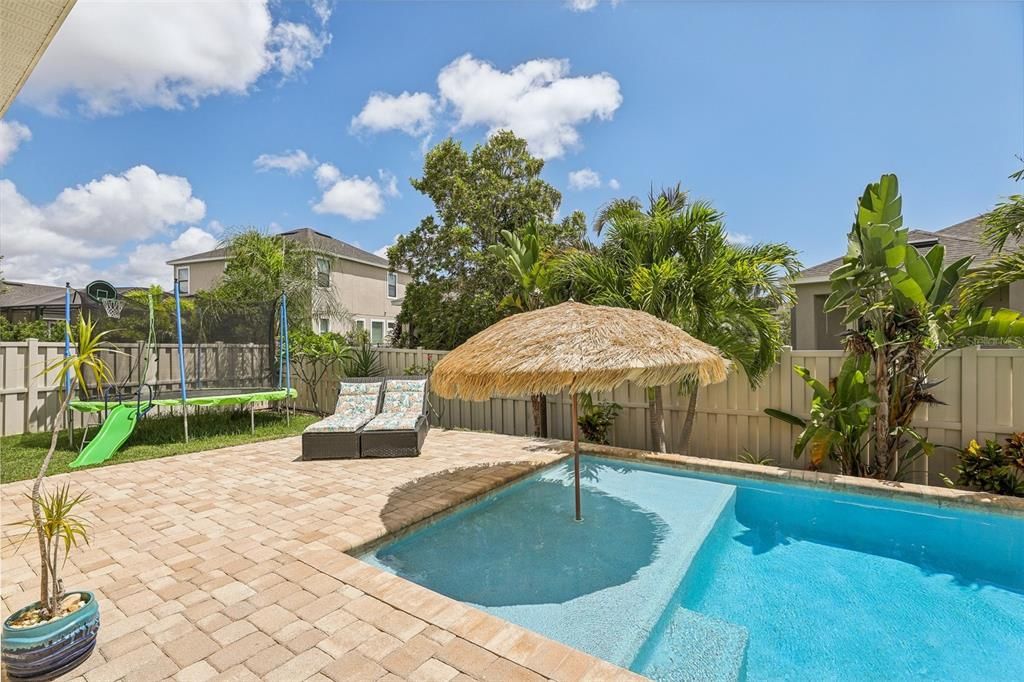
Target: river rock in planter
<point>46,651</point>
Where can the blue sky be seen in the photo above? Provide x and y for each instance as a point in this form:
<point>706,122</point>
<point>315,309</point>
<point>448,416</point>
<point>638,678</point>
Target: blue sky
<point>777,112</point>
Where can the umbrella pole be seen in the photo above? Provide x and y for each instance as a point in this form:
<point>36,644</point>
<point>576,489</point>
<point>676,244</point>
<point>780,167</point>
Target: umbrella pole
<point>576,450</point>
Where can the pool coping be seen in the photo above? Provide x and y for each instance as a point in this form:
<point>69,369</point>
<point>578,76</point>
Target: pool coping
<point>943,497</point>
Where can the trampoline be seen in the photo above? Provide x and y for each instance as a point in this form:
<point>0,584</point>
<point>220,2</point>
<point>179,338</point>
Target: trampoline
<point>242,373</point>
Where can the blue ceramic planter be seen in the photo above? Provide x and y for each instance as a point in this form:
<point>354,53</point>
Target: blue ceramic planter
<point>46,651</point>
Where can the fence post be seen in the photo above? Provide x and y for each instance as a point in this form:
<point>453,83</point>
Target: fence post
<point>31,383</point>
<point>968,394</point>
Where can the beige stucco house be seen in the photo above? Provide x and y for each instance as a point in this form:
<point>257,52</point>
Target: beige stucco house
<point>366,287</point>
<point>814,329</point>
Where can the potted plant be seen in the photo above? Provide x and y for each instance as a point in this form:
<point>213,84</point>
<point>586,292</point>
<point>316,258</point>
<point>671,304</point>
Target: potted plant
<point>53,635</point>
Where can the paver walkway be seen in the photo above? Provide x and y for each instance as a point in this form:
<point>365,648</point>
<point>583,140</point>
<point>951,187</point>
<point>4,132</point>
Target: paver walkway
<point>231,564</point>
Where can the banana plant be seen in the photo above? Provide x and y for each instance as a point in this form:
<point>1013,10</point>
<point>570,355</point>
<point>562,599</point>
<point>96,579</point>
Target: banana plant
<point>525,258</point>
<point>899,305</point>
<point>841,415</point>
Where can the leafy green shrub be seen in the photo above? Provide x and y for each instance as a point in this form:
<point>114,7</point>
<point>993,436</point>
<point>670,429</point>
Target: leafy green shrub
<point>596,419</point>
<point>993,468</point>
<point>841,414</point>
<point>35,329</point>
<point>316,357</point>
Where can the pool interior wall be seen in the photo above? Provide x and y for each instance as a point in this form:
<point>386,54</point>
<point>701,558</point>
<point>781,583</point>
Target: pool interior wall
<point>680,575</point>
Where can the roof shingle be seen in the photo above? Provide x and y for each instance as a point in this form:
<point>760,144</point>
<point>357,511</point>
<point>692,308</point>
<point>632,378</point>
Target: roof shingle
<point>962,239</point>
<point>316,240</point>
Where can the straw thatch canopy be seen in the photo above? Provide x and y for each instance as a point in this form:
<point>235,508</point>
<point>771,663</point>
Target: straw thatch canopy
<point>575,346</point>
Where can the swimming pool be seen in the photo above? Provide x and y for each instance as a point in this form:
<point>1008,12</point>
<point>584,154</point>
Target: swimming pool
<point>679,575</point>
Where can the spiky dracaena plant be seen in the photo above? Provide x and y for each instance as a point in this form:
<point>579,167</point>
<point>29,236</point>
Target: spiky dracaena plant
<point>87,360</point>
<point>899,304</point>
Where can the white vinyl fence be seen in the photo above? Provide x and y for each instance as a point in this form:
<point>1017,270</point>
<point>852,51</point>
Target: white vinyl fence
<point>982,392</point>
<point>30,397</point>
<point>982,395</point>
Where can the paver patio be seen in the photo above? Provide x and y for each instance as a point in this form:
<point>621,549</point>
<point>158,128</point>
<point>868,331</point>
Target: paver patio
<point>231,564</point>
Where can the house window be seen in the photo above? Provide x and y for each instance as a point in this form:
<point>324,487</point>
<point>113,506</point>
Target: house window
<point>377,331</point>
<point>360,326</point>
<point>325,325</point>
<point>182,274</point>
<point>828,326</point>
<point>323,272</point>
<point>392,285</point>
<point>391,324</point>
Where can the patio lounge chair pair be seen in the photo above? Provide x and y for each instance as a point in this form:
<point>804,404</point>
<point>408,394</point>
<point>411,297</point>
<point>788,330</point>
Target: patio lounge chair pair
<point>374,417</point>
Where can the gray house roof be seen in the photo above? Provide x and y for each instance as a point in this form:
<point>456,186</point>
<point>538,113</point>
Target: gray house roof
<point>27,295</point>
<point>962,239</point>
<point>316,240</point>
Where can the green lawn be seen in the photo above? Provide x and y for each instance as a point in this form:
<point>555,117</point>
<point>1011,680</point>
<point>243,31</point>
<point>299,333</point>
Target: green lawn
<point>154,437</point>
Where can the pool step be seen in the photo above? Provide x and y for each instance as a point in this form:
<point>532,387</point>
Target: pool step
<point>703,648</point>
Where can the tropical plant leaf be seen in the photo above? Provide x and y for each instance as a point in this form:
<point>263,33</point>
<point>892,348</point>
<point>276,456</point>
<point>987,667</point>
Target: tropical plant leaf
<point>786,417</point>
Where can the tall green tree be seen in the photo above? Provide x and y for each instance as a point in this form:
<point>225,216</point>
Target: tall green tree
<point>457,282</point>
<point>673,260</point>
<point>900,306</point>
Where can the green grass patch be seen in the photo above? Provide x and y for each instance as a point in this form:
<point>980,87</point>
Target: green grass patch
<point>154,437</point>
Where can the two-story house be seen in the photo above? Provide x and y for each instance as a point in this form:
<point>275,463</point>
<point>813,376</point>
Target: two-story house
<point>815,329</point>
<point>363,283</point>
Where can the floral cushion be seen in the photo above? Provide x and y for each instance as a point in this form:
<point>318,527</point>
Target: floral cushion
<point>357,399</point>
<point>339,423</point>
<point>359,388</point>
<point>393,422</point>
<point>403,396</point>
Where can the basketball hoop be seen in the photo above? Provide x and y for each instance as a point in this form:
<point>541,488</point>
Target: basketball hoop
<point>113,307</point>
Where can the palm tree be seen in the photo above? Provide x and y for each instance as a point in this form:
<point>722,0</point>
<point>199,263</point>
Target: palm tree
<point>1004,224</point>
<point>674,260</point>
<point>88,359</point>
<point>260,267</point>
<point>530,265</point>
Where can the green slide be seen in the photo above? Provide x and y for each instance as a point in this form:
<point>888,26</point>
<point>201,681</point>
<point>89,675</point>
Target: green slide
<point>118,425</point>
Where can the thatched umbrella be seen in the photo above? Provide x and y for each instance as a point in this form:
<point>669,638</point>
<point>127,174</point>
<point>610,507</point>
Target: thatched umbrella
<point>578,347</point>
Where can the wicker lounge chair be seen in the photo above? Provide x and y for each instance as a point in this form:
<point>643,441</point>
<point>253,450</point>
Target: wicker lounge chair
<point>401,427</point>
<point>337,436</point>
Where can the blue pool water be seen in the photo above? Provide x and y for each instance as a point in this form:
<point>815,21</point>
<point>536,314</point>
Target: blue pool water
<point>686,576</point>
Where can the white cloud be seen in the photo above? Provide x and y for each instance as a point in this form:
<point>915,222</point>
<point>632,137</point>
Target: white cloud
<point>586,5</point>
<point>136,204</point>
<point>113,57</point>
<point>147,262</point>
<point>538,100</point>
<point>739,239</point>
<point>326,174</point>
<point>356,198</point>
<point>389,182</point>
<point>412,113</point>
<point>614,183</point>
<point>62,240</point>
<point>295,47</point>
<point>12,134</point>
<point>353,197</point>
<point>291,162</point>
<point>584,178</point>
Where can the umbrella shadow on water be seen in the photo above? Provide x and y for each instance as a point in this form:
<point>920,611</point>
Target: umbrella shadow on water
<point>523,547</point>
